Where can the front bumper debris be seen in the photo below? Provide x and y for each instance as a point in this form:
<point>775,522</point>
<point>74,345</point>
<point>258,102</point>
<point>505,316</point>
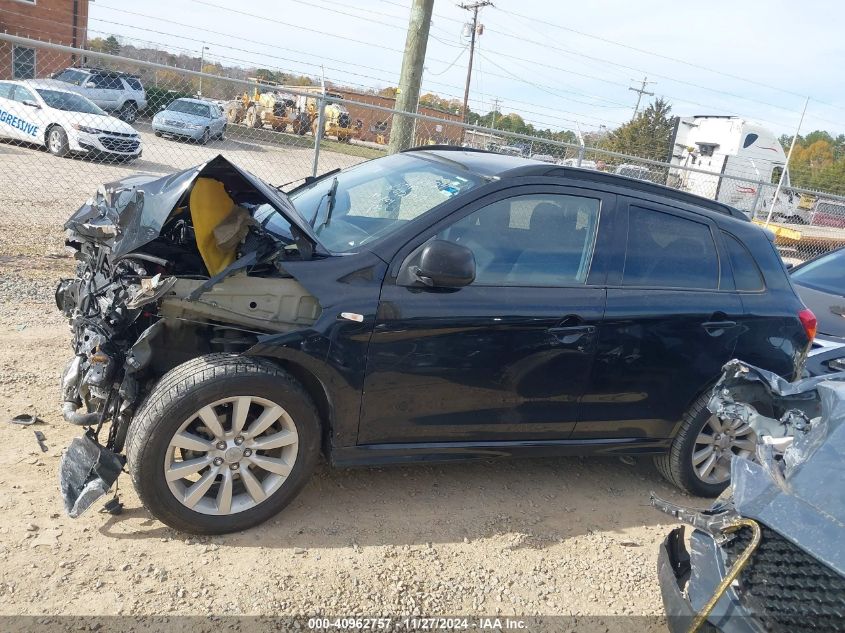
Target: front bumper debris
<point>785,569</point>
<point>673,572</point>
<point>86,473</point>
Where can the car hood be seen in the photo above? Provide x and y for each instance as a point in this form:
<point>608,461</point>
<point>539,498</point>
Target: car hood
<point>102,122</point>
<point>181,117</point>
<point>828,308</point>
<point>130,213</point>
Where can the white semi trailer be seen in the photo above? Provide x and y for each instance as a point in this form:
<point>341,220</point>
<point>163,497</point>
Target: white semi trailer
<point>726,146</point>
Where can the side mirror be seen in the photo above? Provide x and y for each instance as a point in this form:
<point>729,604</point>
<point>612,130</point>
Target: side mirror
<point>32,104</point>
<point>89,84</point>
<point>789,265</point>
<point>162,108</point>
<point>445,264</point>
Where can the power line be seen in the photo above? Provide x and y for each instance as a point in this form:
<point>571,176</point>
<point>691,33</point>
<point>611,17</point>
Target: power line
<point>659,55</point>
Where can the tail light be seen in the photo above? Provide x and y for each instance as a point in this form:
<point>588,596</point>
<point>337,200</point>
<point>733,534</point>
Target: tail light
<point>808,320</point>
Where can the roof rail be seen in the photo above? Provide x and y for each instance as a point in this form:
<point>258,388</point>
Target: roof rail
<point>453,148</point>
<point>109,71</point>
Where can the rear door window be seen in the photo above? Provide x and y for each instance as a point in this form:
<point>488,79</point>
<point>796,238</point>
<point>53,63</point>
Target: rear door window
<point>746,272</point>
<point>669,251</point>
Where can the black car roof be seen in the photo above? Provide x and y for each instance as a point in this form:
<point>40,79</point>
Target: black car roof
<point>491,164</point>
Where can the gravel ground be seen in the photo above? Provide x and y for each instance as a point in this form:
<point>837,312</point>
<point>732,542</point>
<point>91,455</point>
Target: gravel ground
<point>567,537</point>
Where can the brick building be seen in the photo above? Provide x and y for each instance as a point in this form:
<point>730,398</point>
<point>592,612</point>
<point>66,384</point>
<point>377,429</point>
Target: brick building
<point>376,123</point>
<point>58,21</point>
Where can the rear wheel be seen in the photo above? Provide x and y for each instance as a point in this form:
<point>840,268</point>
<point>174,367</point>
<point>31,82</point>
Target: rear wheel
<point>699,460</point>
<point>222,443</point>
<point>129,112</point>
<point>57,142</point>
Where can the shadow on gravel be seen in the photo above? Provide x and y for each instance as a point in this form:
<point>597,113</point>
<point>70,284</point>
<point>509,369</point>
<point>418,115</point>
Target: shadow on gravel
<point>535,502</point>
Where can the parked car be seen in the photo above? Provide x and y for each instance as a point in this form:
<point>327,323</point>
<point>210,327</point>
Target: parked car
<point>193,119</point>
<point>435,304</point>
<point>640,172</point>
<point>113,91</point>
<point>43,113</point>
<point>820,283</point>
<point>768,555</point>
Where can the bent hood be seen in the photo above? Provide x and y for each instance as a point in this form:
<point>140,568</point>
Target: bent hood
<point>130,213</point>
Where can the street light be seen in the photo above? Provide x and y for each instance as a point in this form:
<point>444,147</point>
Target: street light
<point>202,63</point>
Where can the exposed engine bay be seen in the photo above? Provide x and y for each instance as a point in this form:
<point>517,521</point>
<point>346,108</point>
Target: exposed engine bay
<point>168,269</point>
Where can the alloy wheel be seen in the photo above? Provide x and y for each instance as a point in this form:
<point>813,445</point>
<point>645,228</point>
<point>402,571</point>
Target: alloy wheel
<point>55,141</point>
<point>717,444</point>
<point>231,455</point>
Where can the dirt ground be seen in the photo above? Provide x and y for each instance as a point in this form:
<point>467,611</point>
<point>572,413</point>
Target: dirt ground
<point>569,537</point>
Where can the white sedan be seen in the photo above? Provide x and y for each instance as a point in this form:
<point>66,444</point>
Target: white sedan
<point>44,113</point>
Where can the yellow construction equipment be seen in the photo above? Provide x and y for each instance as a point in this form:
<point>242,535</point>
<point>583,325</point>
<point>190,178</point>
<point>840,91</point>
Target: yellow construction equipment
<point>274,108</point>
<point>279,108</point>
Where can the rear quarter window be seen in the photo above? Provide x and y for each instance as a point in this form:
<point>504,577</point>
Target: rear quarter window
<point>134,84</point>
<point>747,275</point>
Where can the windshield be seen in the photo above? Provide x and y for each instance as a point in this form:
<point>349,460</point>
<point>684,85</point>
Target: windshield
<point>376,198</point>
<point>189,107</point>
<point>824,274</point>
<point>68,101</point>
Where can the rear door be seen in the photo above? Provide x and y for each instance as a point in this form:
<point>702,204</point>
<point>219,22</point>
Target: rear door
<point>99,88</point>
<point>10,112</point>
<point>23,119</point>
<point>671,322</point>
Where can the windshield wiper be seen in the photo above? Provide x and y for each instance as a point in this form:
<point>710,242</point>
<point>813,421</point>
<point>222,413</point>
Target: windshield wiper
<point>330,197</point>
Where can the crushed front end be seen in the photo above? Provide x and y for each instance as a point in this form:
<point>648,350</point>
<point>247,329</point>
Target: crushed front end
<point>168,269</point>
<point>768,555</point>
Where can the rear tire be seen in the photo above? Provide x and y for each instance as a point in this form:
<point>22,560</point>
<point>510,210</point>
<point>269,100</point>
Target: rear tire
<point>57,143</point>
<point>676,466</point>
<point>129,112</point>
<point>172,412</point>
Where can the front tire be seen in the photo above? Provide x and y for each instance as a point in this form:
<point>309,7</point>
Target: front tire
<point>222,443</point>
<point>57,143</point>
<point>205,138</point>
<point>699,459</point>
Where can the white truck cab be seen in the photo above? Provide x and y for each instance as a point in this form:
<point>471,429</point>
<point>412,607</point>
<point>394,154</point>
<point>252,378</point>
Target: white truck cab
<point>728,146</point>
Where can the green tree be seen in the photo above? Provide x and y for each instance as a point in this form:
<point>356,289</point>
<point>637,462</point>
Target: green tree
<point>649,135</point>
<point>111,45</point>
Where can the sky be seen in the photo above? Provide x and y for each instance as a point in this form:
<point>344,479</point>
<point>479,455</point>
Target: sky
<point>559,64</point>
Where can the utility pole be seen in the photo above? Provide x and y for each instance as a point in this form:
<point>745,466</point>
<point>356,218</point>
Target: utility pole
<point>640,92</point>
<point>202,63</point>
<point>474,7</point>
<point>408,92</point>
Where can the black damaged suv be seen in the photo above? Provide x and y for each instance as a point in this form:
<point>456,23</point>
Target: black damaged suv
<point>436,304</point>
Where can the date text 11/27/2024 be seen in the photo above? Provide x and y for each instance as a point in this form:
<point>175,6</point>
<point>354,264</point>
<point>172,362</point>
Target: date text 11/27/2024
<point>418,624</point>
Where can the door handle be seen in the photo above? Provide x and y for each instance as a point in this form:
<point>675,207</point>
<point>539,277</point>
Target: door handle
<point>577,336</point>
<point>717,328</point>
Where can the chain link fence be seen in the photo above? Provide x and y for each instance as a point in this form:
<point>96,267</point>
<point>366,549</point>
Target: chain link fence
<point>57,148</point>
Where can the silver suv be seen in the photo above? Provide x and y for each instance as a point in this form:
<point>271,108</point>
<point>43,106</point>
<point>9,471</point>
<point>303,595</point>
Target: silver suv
<point>113,91</point>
